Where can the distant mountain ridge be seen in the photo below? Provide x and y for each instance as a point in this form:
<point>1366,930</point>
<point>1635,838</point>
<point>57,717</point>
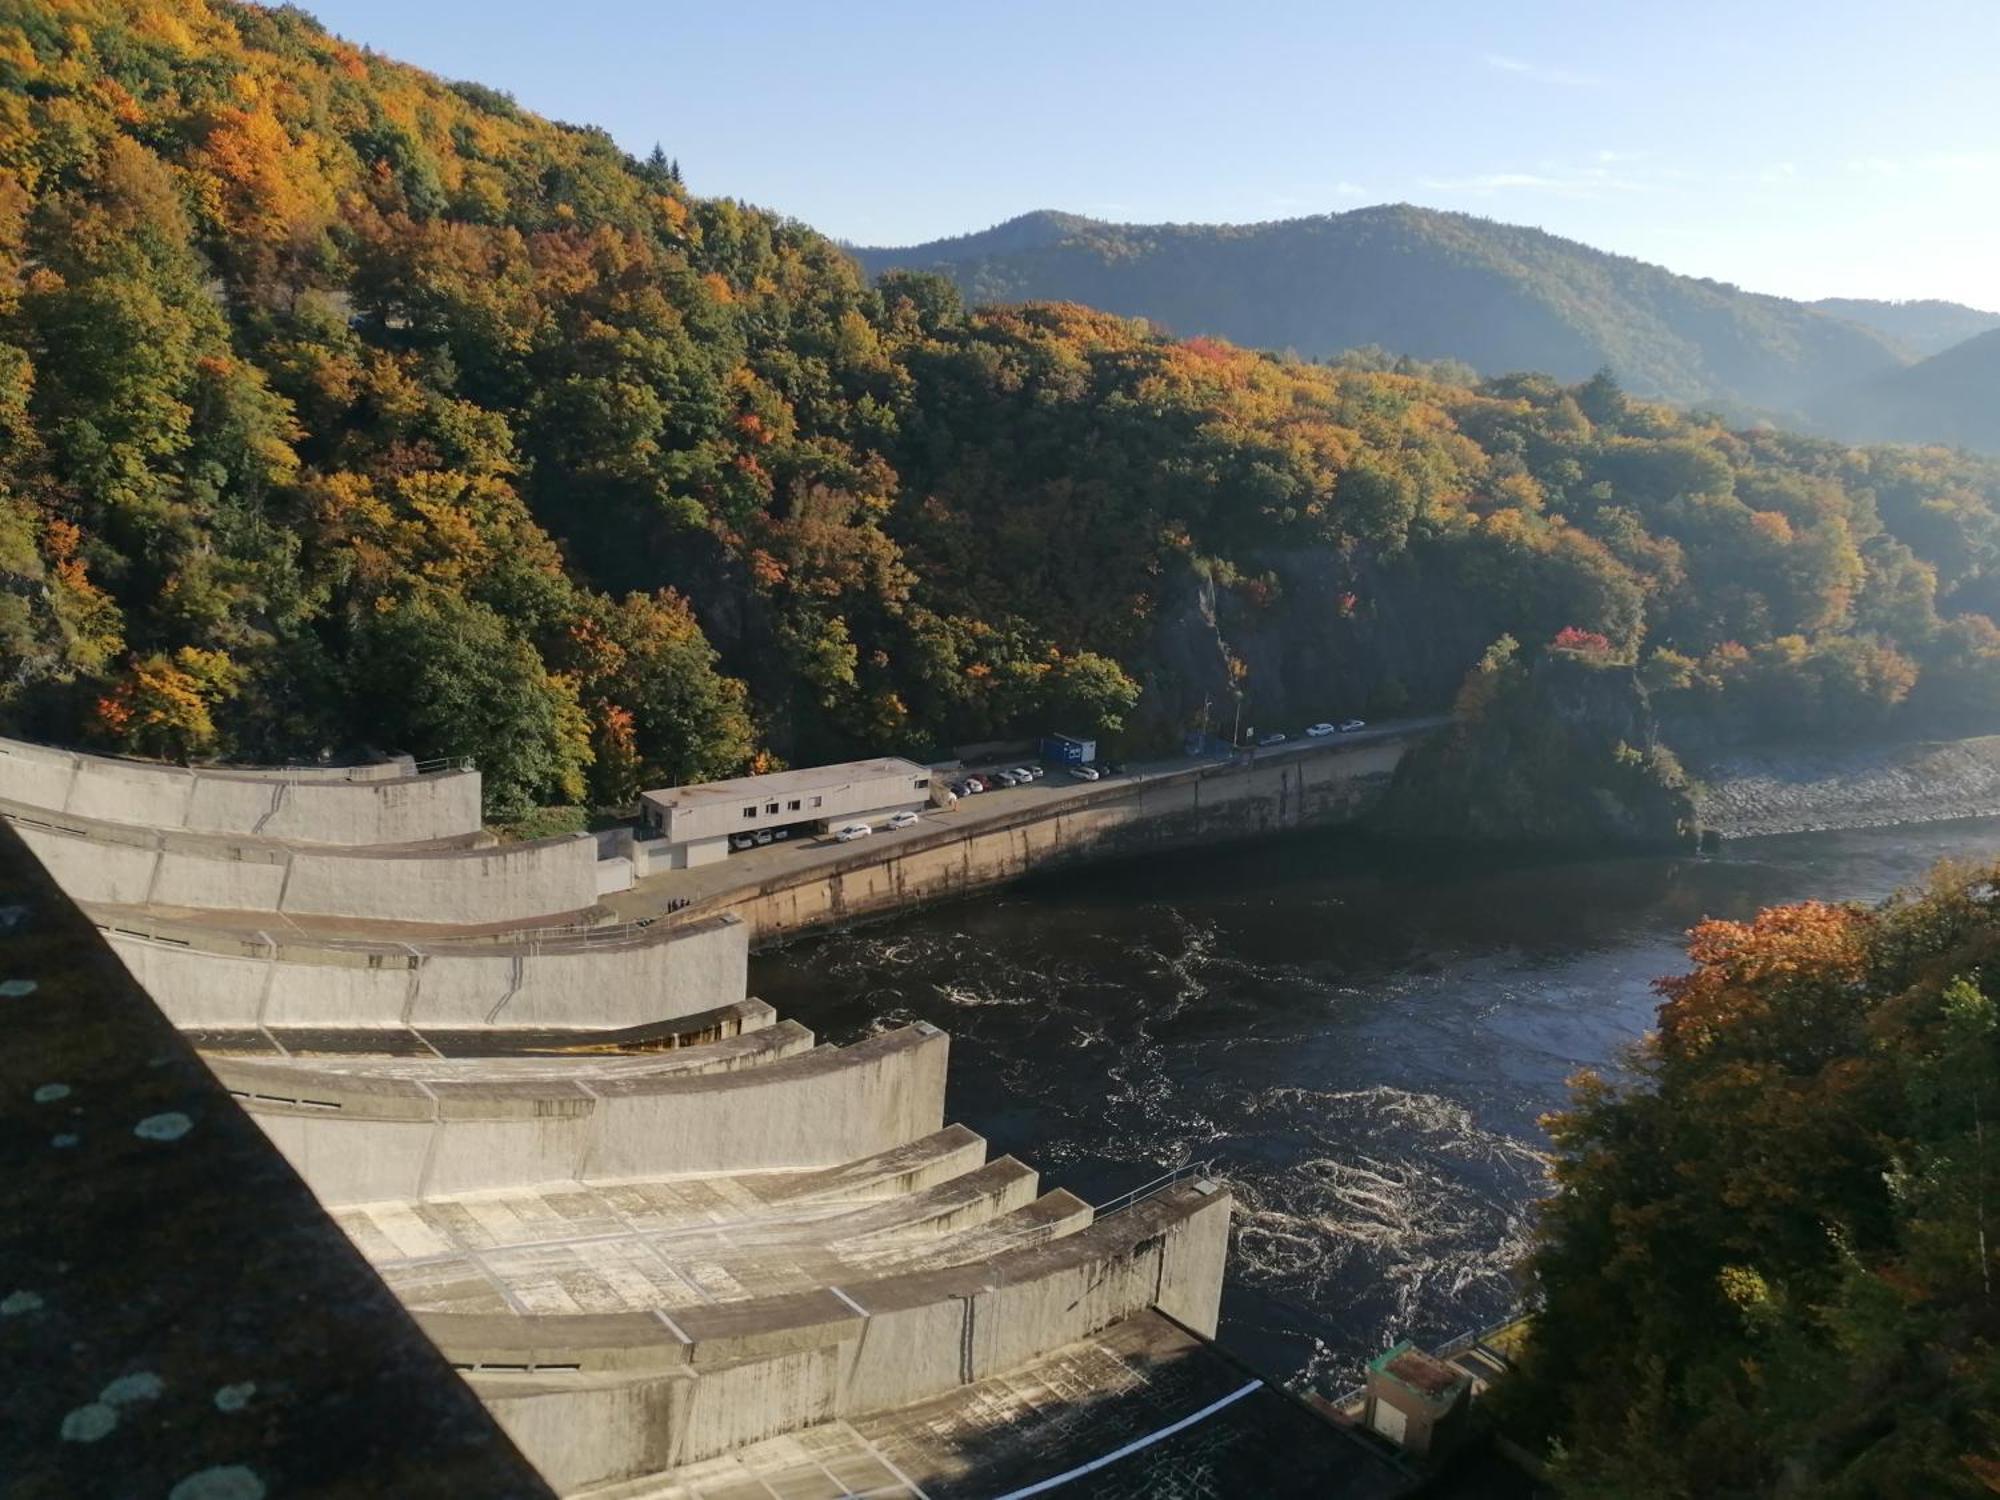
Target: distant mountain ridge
<point>1435,285</point>
<point>1951,398</point>
<point>1924,328</point>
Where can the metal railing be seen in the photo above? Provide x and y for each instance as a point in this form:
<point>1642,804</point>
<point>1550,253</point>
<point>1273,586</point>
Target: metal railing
<point>991,1248</point>
<point>439,763</point>
<point>1158,1185</point>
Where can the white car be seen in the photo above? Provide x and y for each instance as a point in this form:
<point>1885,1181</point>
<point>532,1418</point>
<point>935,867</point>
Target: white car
<point>1276,737</point>
<point>1005,778</point>
<point>904,820</point>
<point>1025,774</point>
<point>1084,773</point>
<point>741,841</point>
<point>1319,731</point>
<point>848,833</point>
<point>1348,726</point>
<point>762,837</point>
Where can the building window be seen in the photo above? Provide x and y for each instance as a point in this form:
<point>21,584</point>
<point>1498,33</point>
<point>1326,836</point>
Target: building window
<point>793,805</point>
<point>749,812</point>
<point>922,782</point>
<point>770,807</point>
<point>816,802</point>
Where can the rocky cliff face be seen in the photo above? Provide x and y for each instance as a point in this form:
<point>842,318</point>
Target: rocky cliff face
<point>1559,752</point>
<point>1306,634</point>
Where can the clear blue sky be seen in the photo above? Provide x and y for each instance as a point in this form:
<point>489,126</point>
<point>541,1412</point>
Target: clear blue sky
<point>1807,147</point>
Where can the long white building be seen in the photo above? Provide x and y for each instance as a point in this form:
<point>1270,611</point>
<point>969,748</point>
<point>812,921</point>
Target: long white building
<point>697,821</point>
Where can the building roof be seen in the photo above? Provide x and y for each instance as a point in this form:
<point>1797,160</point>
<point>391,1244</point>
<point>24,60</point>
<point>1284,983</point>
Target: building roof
<point>785,783</point>
<point>1429,1377</point>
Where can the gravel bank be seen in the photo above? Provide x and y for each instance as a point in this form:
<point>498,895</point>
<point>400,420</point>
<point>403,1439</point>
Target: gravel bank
<point>1790,789</point>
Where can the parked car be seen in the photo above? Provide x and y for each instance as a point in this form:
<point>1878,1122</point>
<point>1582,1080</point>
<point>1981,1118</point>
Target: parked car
<point>905,819</point>
<point>741,841</point>
<point>1318,731</point>
<point>1111,767</point>
<point>1275,737</point>
<point>1005,778</point>
<point>1348,726</point>
<point>1025,774</point>
<point>1084,773</point>
<point>974,784</point>
<point>779,835</point>
<point>849,832</point>
<point>762,837</point>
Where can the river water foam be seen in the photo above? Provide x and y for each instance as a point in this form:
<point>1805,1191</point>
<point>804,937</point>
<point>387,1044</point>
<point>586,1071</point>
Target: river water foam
<point>1361,1040</point>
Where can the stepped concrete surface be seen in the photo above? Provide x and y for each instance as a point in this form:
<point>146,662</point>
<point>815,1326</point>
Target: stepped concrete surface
<point>390,803</point>
<point>216,975</point>
<point>655,1227</point>
<point>1136,1382</point>
<point>118,864</point>
<point>364,1139</point>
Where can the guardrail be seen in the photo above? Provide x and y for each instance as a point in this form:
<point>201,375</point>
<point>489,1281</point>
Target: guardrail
<point>1110,1208</point>
<point>1158,1185</point>
<point>439,763</point>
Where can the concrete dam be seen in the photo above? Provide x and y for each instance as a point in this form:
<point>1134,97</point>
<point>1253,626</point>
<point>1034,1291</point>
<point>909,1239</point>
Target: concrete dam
<point>675,1246</point>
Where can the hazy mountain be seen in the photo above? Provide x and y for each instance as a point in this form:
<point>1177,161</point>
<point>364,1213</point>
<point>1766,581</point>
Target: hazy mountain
<point>1924,328</point>
<point>1428,284</point>
<point>1951,398</point>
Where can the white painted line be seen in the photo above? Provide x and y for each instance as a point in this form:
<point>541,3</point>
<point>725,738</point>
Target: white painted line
<point>850,1301</point>
<point>1135,1445</point>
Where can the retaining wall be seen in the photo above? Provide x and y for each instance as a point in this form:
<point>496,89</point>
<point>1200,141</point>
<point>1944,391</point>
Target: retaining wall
<point>370,1140</point>
<point>380,804</point>
<point>1204,805</point>
<point>604,1398</point>
<point>206,978</point>
<point>112,864</point>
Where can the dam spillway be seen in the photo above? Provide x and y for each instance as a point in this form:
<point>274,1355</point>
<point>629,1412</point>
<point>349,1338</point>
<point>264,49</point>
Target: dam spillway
<point>658,1228</point>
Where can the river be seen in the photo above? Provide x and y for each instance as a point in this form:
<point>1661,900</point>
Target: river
<point>1360,1037</point>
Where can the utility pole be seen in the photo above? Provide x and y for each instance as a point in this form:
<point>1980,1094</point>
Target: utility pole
<point>1236,733</point>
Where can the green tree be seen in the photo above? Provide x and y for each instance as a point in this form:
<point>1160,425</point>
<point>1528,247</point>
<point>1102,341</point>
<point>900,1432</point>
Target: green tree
<point>446,676</point>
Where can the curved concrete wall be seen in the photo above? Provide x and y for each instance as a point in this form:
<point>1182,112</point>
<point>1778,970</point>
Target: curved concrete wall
<point>619,1396</point>
<point>205,978</point>
<point>111,864</point>
<point>382,804</point>
<point>370,1140</point>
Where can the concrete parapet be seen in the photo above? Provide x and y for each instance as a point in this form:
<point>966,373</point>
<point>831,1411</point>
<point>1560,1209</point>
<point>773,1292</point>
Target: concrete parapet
<point>388,803</point>
<point>595,1399</point>
<point>363,1139</point>
<point>99,862</point>
<point>204,976</point>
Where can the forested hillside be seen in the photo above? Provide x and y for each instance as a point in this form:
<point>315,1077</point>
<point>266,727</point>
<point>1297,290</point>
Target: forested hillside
<point>1769,1267</point>
<point>1428,285</point>
<point>342,406</point>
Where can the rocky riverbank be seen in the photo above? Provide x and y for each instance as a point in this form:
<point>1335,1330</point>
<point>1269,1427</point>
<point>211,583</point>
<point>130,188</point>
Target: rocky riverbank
<point>1794,789</point>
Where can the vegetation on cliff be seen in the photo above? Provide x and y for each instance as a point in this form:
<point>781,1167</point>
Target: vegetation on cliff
<point>340,405</point>
<point>1770,1264</point>
<point>1559,749</point>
